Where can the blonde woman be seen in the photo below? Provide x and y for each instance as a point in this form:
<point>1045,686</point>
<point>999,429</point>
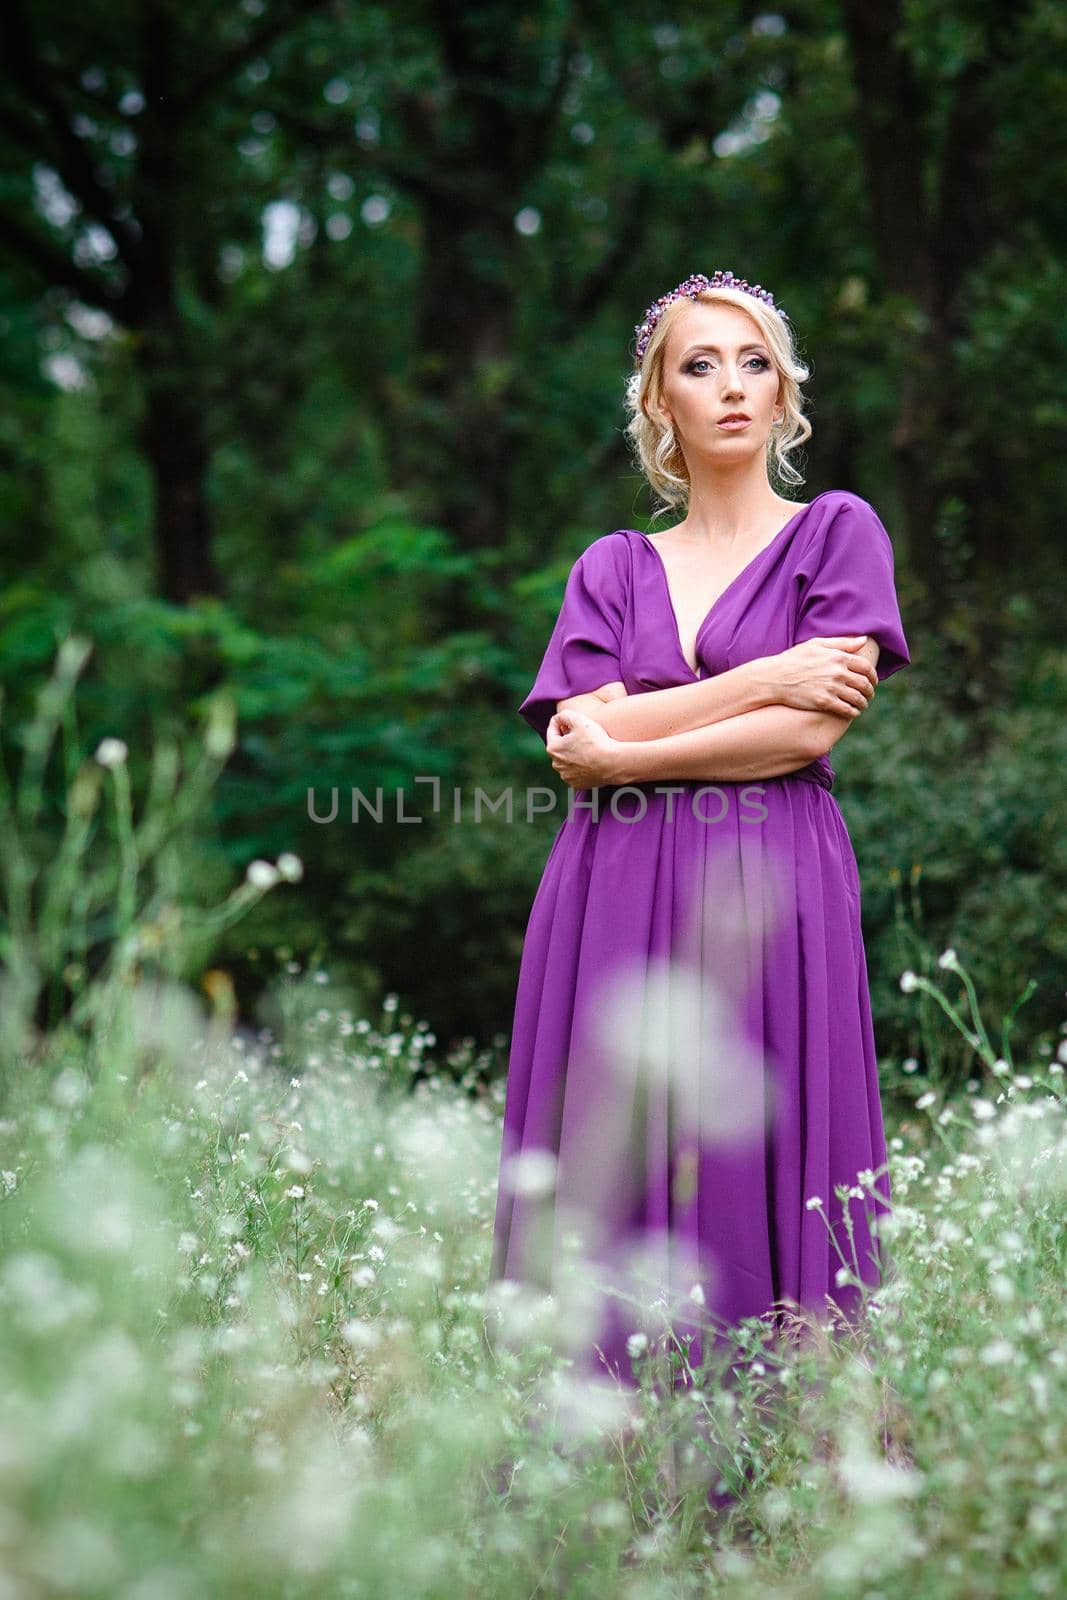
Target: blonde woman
<point>692,1070</point>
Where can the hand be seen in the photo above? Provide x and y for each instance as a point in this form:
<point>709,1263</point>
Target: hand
<point>583,753</point>
<point>823,675</point>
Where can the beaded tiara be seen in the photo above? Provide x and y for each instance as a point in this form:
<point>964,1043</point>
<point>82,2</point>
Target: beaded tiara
<point>692,286</point>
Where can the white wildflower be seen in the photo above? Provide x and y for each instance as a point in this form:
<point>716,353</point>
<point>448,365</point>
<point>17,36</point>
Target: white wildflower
<point>530,1173</point>
<point>290,867</point>
<point>111,752</point>
<point>997,1353</point>
<point>362,1335</point>
<point>261,875</point>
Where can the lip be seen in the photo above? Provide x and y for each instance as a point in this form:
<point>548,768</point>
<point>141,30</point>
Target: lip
<point>734,422</point>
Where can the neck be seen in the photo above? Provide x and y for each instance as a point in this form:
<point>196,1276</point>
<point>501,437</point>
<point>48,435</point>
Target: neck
<point>734,503</point>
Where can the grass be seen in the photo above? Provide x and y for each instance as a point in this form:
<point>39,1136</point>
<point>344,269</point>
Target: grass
<point>243,1348</point>
<point>243,1352</point>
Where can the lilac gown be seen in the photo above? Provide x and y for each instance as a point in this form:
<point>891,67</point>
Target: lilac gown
<point>692,1058</point>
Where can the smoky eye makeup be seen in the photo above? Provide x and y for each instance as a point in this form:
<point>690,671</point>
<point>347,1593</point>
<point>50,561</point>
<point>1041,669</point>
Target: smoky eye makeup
<point>754,363</point>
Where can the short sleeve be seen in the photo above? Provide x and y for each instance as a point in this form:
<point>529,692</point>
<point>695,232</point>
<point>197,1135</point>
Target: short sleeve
<point>583,652</point>
<point>848,585</point>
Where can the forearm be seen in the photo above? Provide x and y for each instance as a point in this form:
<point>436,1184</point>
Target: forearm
<point>765,743</point>
<point>662,713</point>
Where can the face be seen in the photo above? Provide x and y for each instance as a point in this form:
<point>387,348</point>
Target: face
<point>716,362</point>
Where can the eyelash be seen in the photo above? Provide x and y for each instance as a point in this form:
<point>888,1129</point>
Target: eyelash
<point>762,360</point>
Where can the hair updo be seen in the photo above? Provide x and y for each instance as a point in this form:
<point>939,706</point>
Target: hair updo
<point>656,450</point>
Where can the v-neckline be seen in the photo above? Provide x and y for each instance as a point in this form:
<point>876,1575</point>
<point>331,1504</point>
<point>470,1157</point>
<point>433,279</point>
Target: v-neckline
<point>719,598</point>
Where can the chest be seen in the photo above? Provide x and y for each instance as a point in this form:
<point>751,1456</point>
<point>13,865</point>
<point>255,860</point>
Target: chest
<point>692,615</point>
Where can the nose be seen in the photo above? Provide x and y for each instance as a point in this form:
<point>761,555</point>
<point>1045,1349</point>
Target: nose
<point>731,381</point>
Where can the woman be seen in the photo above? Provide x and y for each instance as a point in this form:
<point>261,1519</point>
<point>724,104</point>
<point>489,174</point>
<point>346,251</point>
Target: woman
<point>692,1066</point>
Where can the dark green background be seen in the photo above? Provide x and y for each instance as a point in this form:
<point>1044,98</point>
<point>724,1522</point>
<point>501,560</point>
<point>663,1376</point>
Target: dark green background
<point>350,484</point>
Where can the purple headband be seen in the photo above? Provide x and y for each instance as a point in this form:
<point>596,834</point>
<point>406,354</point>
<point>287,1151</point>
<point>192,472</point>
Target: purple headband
<point>692,287</point>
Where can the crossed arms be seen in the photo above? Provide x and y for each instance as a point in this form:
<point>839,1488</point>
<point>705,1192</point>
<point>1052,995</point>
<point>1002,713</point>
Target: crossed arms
<point>734,726</point>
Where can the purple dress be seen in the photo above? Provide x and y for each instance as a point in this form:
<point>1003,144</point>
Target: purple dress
<point>692,1060</point>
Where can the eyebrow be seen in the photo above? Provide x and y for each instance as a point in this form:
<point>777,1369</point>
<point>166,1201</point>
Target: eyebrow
<point>716,351</point>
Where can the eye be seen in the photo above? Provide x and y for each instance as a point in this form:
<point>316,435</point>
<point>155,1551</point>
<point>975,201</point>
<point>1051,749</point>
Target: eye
<point>754,364</point>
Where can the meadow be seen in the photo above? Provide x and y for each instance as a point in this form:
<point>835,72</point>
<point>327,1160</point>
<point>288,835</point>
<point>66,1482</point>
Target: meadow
<point>243,1278</point>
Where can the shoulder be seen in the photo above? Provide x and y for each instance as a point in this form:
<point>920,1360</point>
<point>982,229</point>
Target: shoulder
<point>844,505</point>
<point>842,522</point>
<point>853,511</point>
<point>610,548</point>
<point>606,559</point>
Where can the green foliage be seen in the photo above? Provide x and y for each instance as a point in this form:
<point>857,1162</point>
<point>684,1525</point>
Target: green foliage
<point>96,895</point>
<point>397,431</point>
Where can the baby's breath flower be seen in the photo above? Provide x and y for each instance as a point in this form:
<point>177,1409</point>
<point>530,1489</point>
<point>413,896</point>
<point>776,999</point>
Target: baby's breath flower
<point>997,1353</point>
<point>111,752</point>
<point>294,1192</point>
<point>908,981</point>
<point>948,959</point>
<point>637,1344</point>
<point>261,875</point>
<point>813,1203</point>
<point>924,1100</point>
<point>290,866</point>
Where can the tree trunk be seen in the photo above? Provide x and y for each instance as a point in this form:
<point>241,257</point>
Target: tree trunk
<point>172,438</point>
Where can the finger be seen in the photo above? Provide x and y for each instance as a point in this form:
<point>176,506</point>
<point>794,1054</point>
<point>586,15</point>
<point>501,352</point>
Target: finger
<point>863,686</point>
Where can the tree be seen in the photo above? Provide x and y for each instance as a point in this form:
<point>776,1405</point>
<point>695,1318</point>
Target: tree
<point>107,110</point>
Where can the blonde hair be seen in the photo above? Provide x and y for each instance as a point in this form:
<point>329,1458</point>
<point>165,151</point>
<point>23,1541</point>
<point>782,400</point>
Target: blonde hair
<point>658,453</point>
